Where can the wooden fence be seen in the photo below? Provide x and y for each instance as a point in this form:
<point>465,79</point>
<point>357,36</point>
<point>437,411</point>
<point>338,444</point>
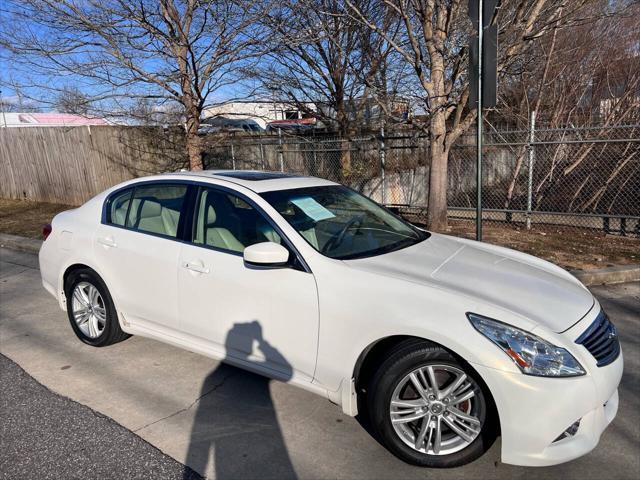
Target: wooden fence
<point>71,164</point>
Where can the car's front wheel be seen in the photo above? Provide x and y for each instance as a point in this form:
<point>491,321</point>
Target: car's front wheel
<point>91,311</point>
<point>429,408</point>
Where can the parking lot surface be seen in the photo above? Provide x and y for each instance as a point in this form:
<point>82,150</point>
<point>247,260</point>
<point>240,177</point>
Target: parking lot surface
<point>44,435</point>
<point>227,423</point>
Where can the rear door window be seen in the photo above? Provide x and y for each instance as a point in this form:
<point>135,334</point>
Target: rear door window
<point>157,209</point>
<point>118,206</point>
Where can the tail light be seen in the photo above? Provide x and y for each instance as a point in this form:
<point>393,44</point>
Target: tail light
<point>46,231</point>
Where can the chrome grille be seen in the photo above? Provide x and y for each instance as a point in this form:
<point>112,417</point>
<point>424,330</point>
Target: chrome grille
<point>601,339</point>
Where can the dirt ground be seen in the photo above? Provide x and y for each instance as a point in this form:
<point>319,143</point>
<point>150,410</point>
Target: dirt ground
<point>19,217</point>
<point>570,248</point>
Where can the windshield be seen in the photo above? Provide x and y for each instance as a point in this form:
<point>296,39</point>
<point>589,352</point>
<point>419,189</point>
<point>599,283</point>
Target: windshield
<point>340,223</point>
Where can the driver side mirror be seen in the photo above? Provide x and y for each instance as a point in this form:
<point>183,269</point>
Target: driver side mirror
<point>266,254</point>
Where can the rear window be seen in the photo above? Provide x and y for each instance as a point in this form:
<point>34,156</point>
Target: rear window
<point>151,208</point>
<point>118,206</point>
<point>156,209</point>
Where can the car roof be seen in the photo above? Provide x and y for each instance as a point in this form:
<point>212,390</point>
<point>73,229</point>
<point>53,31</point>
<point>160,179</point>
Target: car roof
<point>259,181</point>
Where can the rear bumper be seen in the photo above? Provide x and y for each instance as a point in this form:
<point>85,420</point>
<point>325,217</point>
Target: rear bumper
<point>535,411</point>
<point>49,270</point>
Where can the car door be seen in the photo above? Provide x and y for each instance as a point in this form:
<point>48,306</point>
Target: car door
<point>262,317</point>
<point>137,250</point>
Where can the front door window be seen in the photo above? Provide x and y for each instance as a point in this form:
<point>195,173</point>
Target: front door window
<point>226,222</point>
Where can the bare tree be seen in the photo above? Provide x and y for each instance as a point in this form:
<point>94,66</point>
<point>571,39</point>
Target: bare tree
<point>433,42</point>
<point>602,91</point>
<point>309,66</point>
<point>16,103</point>
<point>9,105</point>
<point>309,63</point>
<point>144,111</point>
<point>183,50</point>
<point>317,62</point>
<point>72,100</point>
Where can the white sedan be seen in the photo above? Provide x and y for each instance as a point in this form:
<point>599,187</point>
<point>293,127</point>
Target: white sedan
<point>440,343</point>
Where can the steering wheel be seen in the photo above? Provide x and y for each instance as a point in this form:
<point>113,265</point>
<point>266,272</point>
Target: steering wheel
<point>337,239</point>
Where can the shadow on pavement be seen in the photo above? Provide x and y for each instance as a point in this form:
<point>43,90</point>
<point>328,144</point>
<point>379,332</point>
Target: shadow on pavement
<point>235,432</point>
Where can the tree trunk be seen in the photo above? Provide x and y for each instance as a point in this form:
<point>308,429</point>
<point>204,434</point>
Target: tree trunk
<point>194,152</point>
<point>514,178</point>
<point>439,156</point>
<point>345,144</point>
<point>345,158</point>
<point>193,143</point>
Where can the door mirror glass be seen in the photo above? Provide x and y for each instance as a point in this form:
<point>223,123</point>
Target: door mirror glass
<point>266,254</point>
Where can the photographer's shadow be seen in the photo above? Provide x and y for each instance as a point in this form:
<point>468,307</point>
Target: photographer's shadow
<point>235,432</point>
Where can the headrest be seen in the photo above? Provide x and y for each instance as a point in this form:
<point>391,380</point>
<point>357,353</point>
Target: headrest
<point>120,212</point>
<point>211,215</point>
<point>150,209</point>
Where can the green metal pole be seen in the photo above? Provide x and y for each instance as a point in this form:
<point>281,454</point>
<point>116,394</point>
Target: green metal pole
<point>479,130</point>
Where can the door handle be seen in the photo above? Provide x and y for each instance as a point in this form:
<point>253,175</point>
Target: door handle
<point>107,242</point>
<point>195,267</point>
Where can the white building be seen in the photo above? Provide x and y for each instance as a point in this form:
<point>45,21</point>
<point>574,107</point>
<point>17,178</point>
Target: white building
<point>260,111</point>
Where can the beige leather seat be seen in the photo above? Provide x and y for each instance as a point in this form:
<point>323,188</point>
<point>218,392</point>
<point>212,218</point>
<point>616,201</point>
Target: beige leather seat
<point>119,213</point>
<point>266,232</point>
<point>170,220</point>
<point>210,232</point>
<point>150,216</point>
<point>272,236</point>
<point>310,236</point>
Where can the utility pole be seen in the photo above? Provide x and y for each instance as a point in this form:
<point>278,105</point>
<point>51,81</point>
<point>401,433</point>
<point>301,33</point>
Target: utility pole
<point>383,157</point>
<point>483,49</point>
<point>233,156</point>
<point>479,130</point>
<point>532,138</point>
<point>280,150</point>
<point>4,118</point>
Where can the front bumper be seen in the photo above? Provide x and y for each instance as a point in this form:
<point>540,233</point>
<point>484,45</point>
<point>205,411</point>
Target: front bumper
<point>534,411</point>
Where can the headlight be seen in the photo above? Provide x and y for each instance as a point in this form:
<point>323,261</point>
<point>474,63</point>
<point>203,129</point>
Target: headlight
<point>533,355</point>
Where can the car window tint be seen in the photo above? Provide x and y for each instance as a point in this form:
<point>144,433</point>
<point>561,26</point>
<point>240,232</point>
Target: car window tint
<point>227,222</point>
<point>118,206</point>
<point>156,209</point>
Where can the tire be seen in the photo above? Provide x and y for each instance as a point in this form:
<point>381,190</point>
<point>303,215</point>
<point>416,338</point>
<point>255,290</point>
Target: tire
<point>98,326</point>
<point>393,381</point>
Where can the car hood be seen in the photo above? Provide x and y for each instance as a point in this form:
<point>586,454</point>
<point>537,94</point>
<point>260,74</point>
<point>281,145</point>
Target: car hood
<point>525,285</point>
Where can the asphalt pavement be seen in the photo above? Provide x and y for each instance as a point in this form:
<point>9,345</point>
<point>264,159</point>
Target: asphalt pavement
<point>44,435</point>
<point>142,409</point>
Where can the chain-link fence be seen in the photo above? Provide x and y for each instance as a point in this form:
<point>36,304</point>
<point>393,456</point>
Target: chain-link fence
<point>586,177</point>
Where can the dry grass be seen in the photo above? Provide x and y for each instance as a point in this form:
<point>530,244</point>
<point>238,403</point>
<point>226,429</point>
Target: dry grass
<point>23,218</point>
<point>571,248</point>
<point>567,247</point>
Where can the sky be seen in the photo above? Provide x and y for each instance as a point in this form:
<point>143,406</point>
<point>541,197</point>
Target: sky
<point>24,85</point>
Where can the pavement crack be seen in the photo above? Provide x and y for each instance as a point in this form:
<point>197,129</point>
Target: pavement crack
<point>4,278</point>
<point>215,387</point>
<point>27,267</point>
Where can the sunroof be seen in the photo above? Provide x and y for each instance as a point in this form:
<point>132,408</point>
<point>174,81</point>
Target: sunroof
<point>255,176</point>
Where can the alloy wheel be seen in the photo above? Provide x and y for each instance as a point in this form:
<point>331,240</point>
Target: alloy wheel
<point>88,309</point>
<point>435,409</point>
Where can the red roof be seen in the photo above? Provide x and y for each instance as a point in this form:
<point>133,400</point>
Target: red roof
<point>67,119</point>
<point>51,119</point>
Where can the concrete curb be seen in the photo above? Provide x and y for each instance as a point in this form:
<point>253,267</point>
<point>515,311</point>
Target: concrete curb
<point>23,244</point>
<point>617,274</point>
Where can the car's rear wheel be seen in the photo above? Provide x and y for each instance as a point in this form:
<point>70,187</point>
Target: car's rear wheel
<point>430,408</point>
<point>91,311</point>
